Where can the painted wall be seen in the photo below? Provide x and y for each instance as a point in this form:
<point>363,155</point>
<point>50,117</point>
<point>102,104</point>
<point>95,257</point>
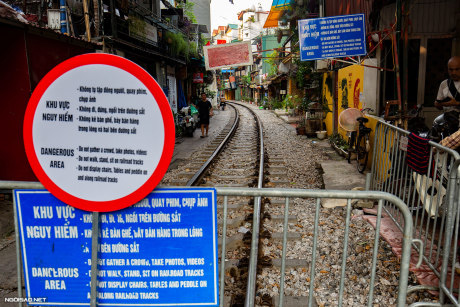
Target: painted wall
<point>356,88</point>
<point>371,87</point>
<point>327,99</point>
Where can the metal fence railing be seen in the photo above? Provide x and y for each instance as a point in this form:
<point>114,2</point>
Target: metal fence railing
<point>343,249</point>
<point>432,198</point>
<point>346,263</point>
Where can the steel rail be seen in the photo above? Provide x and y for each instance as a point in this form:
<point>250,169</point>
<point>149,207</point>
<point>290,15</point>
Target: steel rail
<point>252,270</point>
<point>200,173</point>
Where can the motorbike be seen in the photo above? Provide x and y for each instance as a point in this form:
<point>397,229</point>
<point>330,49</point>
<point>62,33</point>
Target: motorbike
<point>222,103</point>
<point>188,120</point>
<point>444,125</point>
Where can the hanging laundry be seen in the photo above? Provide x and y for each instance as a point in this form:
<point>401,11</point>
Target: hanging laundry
<point>418,153</point>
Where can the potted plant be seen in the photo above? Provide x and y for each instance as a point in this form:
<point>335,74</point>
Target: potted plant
<point>300,129</point>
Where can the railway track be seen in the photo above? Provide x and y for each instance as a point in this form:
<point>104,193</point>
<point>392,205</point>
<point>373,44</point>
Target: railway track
<point>237,158</point>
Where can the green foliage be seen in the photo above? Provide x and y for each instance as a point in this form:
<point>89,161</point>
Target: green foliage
<point>290,102</point>
<point>339,141</point>
<point>188,10</point>
<point>304,71</point>
<point>304,103</point>
<point>275,103</point>
<point>272,60</point>
<point>137,26</point>
<point>209,93</point>
<point>192,50</point>
<point>177,43</point>
<point>246,80</point>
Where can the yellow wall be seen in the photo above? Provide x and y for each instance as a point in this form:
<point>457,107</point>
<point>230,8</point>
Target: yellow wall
<point>350,89</point>
<point>327,97</point>
<point>350,86</point>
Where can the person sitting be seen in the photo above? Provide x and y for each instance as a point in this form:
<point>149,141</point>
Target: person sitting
<point>448,97</point>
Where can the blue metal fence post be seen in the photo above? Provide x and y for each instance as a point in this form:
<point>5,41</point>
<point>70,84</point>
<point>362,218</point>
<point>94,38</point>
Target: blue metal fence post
<point>63,16</point>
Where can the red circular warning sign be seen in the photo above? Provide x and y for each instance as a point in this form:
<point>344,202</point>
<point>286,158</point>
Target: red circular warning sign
<point>99,132</point>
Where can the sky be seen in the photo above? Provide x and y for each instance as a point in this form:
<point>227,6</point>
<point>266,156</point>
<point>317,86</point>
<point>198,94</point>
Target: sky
<point>223,12</point>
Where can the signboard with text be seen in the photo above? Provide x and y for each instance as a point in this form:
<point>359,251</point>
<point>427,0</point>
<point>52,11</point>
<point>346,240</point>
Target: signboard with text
<point>99,132</point>
<point>332,37</point>
<point>227,55</point>
<point>160,251</point>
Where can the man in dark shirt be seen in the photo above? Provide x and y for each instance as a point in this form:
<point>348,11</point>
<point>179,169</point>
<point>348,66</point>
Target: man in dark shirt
<point>205,111</point>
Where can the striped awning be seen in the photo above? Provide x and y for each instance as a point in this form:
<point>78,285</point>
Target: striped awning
<point>278,6</point>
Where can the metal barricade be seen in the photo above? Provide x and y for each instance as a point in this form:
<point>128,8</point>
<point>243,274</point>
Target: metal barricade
<point>317,196</point>
<point>432,198</point>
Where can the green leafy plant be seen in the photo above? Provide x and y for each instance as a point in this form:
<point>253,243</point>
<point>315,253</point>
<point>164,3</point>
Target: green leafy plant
<point>177,43</point>
<point>291,101</point>
<point>209,93</point>
<point>275,103</point>
<point>272,61</point>
<point>246,80</point>
<point>338,140</point>
<point>303,74</point>
<point>188,10</point>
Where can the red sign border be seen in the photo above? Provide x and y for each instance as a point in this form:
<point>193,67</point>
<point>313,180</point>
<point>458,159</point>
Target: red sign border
<point>168,122</point>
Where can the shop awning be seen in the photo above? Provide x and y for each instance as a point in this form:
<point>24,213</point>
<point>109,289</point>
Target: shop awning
<point>278,7</point>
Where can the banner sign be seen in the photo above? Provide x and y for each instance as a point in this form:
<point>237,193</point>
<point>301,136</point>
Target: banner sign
<point>197,77</point>
<point>162,251</point>
<point>99,132</point>
<point>227,55</point>
<point>332,37</point>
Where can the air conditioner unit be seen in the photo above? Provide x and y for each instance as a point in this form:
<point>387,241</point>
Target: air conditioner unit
<point>54,19</point>
<point>321,65</point>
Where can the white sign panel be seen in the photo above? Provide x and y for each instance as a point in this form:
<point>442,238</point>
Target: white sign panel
<point>97,132</point>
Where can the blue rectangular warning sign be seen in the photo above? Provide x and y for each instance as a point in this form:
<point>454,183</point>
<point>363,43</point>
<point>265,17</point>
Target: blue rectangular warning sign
<point>332,37</point>
<point>160,251</point>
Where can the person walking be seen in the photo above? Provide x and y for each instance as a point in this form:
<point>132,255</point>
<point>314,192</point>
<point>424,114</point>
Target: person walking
<point>205,111</point>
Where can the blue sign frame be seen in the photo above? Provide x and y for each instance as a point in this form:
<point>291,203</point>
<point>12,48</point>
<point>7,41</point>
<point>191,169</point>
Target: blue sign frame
<point>161,251</point>
<point>332,37</point>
